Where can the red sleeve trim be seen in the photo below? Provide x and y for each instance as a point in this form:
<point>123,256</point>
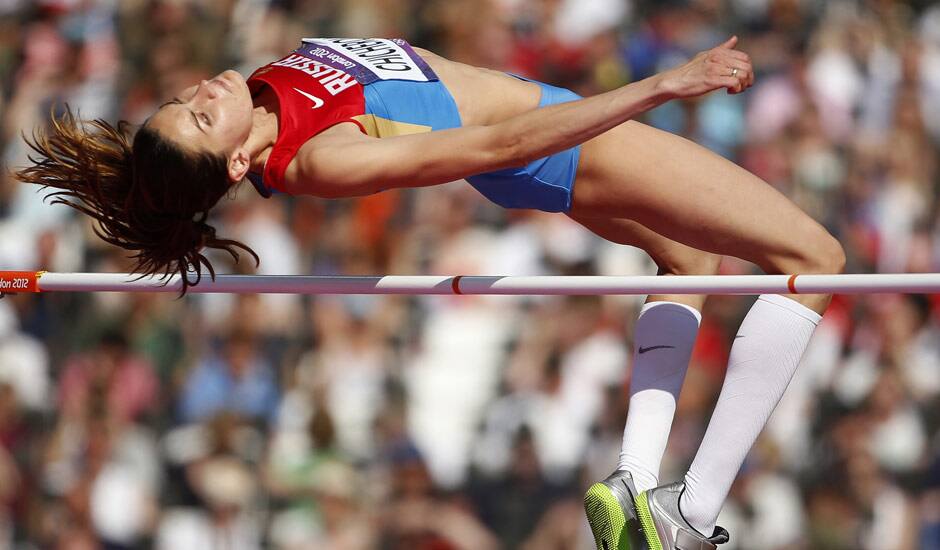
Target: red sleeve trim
<point>298,121</point>
<point>282,155</point>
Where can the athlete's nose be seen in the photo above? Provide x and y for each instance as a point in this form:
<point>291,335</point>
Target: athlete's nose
<point>209,91</point>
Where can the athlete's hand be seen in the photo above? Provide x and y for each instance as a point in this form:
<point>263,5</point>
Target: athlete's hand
<point>708,71</point>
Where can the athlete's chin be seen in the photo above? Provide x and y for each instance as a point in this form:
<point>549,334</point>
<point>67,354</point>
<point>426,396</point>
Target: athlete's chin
<point>243,92</point>
<point>235,81</point>
<point>233,76</point>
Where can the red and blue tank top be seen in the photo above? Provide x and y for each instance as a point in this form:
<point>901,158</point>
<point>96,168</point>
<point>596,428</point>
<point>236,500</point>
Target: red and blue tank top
<point>381,85</point>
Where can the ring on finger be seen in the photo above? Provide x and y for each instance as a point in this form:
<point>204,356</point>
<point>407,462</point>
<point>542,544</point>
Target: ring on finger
<point>734,72</point>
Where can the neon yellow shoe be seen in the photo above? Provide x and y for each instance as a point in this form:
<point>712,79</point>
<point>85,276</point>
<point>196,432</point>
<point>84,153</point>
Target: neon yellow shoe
<point>612,515</point>
<point>664,526</point>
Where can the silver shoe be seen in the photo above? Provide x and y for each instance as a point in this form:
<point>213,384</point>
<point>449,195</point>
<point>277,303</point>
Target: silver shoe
<point>664,526</point>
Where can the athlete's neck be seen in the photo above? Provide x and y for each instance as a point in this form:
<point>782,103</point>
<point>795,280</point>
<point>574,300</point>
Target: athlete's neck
<point>264,129</point>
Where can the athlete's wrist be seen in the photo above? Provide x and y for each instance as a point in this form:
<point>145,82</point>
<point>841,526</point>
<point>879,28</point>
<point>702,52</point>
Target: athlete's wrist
<point>659,90</point>
<point>664,87</point>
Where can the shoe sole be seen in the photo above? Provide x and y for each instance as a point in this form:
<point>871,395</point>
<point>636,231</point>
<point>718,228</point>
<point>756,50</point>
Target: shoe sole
<point>646,522</point>
<point>605,518</point>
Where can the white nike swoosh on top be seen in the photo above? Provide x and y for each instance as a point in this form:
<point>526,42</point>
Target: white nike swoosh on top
<point>317,102</point>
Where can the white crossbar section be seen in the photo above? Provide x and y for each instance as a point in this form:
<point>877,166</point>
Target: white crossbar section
<point>537,285</point>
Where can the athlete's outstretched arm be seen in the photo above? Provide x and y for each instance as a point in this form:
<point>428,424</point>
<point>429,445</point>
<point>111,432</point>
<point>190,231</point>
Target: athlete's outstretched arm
<point>342,162</point>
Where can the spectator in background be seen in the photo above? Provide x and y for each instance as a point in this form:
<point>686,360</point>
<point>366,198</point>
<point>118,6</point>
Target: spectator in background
<point>228,489</point>
<point>11,437</point>
<point>513,503</point>
<point>109,377</point>
<point>419,517</point>
<point>238,379</point>
<point>24,363</point>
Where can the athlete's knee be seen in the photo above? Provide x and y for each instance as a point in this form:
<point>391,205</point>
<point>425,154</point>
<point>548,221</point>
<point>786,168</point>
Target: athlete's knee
<point>835,255</point>
<point>689,262</point>
<point>816,252</point>
<point>825,255</point>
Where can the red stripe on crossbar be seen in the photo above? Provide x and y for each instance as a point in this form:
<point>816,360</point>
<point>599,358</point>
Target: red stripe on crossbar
<point>791,284</point>
<point>455,284</point>
<point>19,281</point>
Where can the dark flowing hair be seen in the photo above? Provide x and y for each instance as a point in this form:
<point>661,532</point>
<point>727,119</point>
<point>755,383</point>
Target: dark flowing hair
<point>148,196</point>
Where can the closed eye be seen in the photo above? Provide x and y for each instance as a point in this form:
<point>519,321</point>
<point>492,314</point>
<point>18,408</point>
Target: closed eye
<point>174,101</point>
<point>198,120</point>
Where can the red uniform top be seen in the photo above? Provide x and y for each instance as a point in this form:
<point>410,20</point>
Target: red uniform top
<point>312,97</point>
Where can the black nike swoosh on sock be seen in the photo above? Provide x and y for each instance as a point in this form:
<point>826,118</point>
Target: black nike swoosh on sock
<point>643,350</point>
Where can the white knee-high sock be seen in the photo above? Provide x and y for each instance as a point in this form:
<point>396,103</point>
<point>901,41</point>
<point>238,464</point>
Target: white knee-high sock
<point>664,337</point>
<point>763,359</point>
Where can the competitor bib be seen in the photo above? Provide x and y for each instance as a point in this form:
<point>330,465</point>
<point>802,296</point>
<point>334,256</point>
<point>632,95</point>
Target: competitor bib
<point>369,59</point>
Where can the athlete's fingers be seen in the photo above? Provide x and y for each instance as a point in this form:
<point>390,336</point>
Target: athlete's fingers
<point>723,65</point>
<point>739,55</point>
<point>741,66</point>
<point>742,71</point>
<point>730,43</point>
<point>738,60</point>
<point>715,67</point>
<point>748,73</point>
<point>737,67</point>
<point>730,83</point>
<point>734,55</point>
<point>737,82</point>
<point>727,58</point>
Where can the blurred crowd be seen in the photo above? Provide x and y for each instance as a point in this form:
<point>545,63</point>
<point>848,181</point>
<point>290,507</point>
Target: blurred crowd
<point>350,422</point>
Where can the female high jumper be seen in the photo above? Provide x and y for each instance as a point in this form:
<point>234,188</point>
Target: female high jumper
<point>351,117</point>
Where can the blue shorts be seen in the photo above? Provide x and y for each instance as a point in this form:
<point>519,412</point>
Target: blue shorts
<point>544,184</point>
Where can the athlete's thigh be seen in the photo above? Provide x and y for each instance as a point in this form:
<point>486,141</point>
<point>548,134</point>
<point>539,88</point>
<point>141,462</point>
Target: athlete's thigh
<point>684,192</point>
<point>670,256</point>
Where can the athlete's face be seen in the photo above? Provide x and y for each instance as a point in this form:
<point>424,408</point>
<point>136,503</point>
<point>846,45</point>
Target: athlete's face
<point>214,116</point>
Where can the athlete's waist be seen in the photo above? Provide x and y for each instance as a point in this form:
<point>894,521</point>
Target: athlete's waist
<point>394,108</point>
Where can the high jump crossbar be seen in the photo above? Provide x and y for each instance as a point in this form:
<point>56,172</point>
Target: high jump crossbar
<point>901,283</point>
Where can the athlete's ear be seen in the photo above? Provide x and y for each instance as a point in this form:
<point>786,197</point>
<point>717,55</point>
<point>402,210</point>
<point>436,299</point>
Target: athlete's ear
<point>238,164</point>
